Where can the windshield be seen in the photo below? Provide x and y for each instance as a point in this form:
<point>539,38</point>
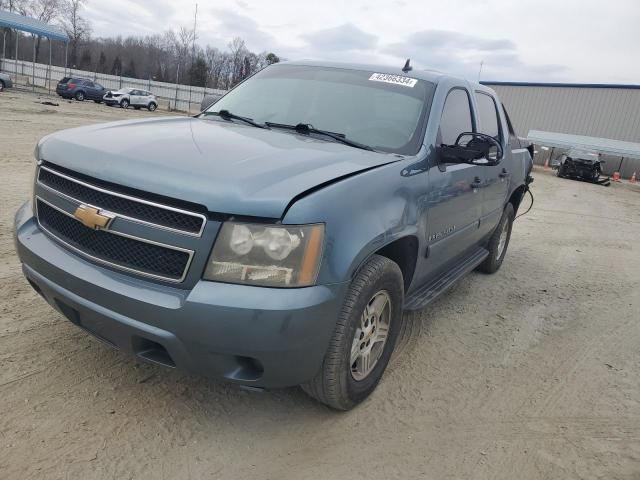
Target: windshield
<point>357,104</point>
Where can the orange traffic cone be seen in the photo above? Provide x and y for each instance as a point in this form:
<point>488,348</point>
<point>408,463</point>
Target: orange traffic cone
<point>616,176</point>
<point>633,178</point>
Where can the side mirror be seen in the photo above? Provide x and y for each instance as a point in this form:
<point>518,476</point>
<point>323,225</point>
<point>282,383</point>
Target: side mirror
<point>473,148</point>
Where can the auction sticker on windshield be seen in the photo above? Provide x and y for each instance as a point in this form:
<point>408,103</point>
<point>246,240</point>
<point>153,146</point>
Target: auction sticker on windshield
<point>395,79</point>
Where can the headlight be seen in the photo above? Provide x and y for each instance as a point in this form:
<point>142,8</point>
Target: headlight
<point>36,155</point>
<point>266,255</point>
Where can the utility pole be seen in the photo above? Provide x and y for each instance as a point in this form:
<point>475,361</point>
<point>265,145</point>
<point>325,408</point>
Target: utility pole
<point>193,51</point>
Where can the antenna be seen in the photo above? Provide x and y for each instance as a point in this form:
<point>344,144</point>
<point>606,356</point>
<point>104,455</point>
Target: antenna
<point>407,67</point>
<point>480,71</point>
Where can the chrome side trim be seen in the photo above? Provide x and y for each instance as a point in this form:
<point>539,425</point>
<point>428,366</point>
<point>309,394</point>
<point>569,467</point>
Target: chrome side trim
<point>127,197</point>
<point>115,265</point>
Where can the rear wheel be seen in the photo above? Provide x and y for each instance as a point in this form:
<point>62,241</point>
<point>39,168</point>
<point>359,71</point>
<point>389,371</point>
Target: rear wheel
<point>124,103</point>
<point>499,242</point>
<point>79,96</point>
<point>1,86</point>
<point>364,336</point>
<point>152,106</point>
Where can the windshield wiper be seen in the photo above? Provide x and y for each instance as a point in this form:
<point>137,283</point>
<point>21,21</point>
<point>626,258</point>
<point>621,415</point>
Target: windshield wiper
<point>227,115</point>
<point>306,128</point>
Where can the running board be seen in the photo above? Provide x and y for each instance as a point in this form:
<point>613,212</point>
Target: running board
<point>431,290</point>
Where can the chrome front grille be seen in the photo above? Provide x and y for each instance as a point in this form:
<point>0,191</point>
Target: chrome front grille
<point>145,237</point>
<point>133,208</point>
<point>127,253</point>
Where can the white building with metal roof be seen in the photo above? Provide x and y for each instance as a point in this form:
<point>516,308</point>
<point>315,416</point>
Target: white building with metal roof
<point>561,114</point>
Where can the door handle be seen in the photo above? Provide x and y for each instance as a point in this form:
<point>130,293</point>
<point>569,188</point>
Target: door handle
<point>504,173</point>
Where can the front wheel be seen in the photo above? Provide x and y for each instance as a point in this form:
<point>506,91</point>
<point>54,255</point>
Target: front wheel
<point>364,336</point>
<point>1,85</point>
<point>152,107</point>
<point>499,242</point>
<point>124,103</point>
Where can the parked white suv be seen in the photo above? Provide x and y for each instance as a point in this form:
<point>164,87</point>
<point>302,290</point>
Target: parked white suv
<point>126,97</point>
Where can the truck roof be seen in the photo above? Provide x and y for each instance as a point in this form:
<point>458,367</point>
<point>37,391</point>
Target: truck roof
<point>433,76</point>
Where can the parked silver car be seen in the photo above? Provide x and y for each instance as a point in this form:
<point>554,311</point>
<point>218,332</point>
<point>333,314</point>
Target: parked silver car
<point>5,81</point>
<point>126,97</point>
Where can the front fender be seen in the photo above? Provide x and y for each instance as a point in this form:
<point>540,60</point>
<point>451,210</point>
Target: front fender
<point>362,214</point>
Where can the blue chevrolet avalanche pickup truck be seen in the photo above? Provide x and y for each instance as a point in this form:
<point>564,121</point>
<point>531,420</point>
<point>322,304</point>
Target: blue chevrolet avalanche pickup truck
<point>276,238</point>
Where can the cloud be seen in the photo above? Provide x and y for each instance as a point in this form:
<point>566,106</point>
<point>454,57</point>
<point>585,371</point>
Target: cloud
<point>344,38</point>
<point>232,24</point>
<point>461,54</point>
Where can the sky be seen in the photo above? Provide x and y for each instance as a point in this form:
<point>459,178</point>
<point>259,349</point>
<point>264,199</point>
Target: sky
<point>585,41</point>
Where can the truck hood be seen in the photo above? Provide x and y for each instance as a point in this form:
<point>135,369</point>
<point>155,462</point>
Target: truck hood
<point>227,167</point>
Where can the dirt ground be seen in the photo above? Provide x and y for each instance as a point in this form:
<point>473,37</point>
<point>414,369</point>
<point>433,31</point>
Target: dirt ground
<point>530,373</point>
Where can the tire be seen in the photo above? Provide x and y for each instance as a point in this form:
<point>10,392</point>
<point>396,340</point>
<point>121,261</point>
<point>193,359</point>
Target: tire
<point>596,175</point>
<point>497,245</point>
<point>152,107</point>
<point>342,384</point>
<point>124,103</point>
<point>1,86</point>
<point>79,96</point>
<point>559,172</point>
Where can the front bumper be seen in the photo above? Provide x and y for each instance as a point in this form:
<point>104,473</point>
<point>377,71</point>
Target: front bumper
<point>111,100</point>
<point>263,337</point>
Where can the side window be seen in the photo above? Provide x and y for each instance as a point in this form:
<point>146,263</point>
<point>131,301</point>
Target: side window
<point>88,83</point>
<point>488,116</point>
<point>456,116</point>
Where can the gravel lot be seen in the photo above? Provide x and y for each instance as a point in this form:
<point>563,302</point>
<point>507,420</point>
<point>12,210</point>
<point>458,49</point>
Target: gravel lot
<point>529,373</point>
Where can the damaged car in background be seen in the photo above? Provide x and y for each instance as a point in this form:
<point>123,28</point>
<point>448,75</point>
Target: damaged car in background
<point>580,165</point>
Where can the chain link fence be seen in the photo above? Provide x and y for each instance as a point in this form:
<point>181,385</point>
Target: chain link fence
<point>171,96</point>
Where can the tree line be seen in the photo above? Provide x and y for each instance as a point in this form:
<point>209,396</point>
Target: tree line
<point>171,56</point>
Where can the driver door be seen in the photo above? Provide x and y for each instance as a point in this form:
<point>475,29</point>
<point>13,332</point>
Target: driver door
<point>455,193</point>
<point>135,97</point>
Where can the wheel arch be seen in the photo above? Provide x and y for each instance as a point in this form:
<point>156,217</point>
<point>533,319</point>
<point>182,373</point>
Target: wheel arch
<point>516,197</point>
<point>404,252</point>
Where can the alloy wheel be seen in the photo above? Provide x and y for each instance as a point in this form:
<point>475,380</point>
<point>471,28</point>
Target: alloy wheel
<point>503,239</point>
<point>371,335</point>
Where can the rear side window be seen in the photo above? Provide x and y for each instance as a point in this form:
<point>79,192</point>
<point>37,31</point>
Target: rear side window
<point>488,116</point>
<point>456,116</point>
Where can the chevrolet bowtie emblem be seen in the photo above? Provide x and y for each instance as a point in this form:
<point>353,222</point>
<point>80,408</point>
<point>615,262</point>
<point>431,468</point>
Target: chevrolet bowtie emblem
<point>92,218</point>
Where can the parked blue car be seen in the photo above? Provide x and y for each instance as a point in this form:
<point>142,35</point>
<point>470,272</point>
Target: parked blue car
<point>277,238</point>
<point>80,89</point>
